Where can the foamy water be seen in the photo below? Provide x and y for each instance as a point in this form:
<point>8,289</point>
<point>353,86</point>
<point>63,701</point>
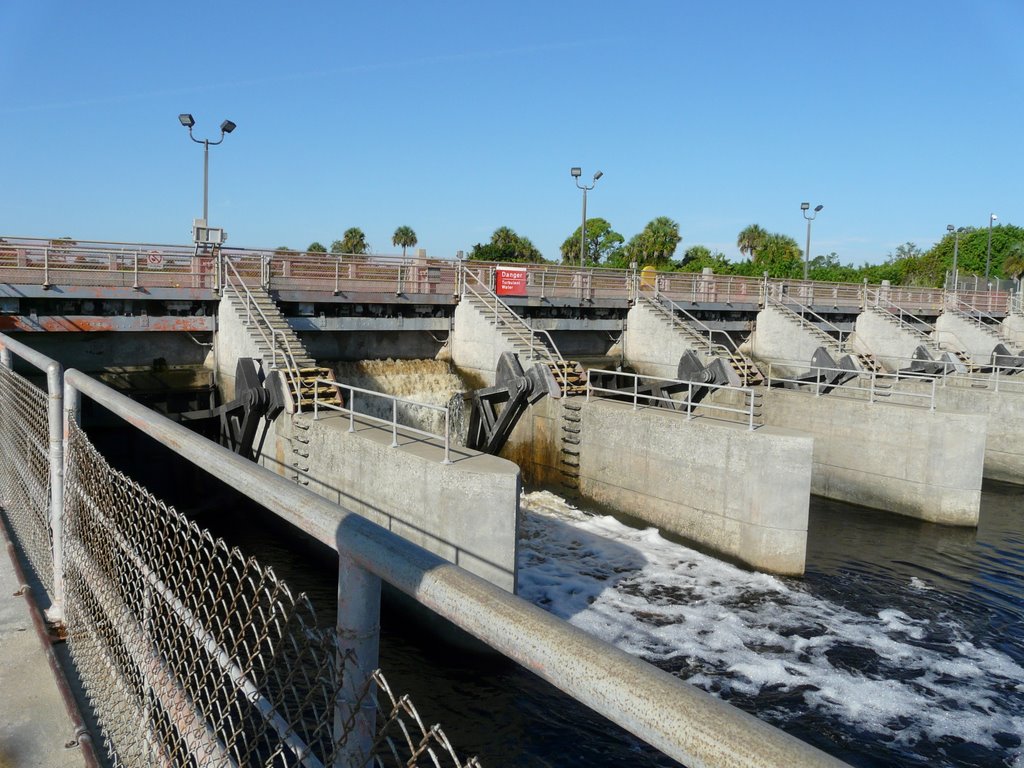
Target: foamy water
<point>430,382</point>
<point>913,683</point>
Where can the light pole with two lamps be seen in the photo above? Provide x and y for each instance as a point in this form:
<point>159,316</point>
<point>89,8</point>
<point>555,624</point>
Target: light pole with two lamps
<point>956,251</point>
<point>225,128</point>
<point>817,209</point>
<point>988,256</point>
<point>576,173</point>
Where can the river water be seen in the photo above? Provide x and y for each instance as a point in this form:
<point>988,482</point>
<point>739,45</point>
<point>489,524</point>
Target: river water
<point>903,645</point>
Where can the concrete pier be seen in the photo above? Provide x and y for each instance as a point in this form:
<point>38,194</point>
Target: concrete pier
<point>743,494</point>
<point>910,461</point>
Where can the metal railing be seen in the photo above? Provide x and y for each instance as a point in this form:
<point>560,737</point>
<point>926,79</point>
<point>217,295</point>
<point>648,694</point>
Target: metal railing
<point>693,325</point>
<point>392,423</point>
<point>274,338</point>
<point>504,316</point>
<point>879,386</point>
<point>881,301</point>
<point>681,404</point>
<point>801,312</point>
<point>144,599</point>
<point>975,315</point>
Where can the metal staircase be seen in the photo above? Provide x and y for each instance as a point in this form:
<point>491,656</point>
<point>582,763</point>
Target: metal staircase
<point>528,344</point>
<point>700,336</point>
<point>983,321</point>
<point>278,346</point>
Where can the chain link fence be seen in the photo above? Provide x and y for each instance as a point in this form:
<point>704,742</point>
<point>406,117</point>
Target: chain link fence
<point>25,470</point>
<point>188,652</point>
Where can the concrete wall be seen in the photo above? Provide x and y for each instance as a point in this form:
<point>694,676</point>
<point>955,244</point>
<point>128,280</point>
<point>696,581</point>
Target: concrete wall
<point>476,345</point>
<point>963,334</point>
<point>1013,329</point>
<point>652,347</point>
<point>1003,412</point>
<point>231,342</point>
<point>739,493</point>
<point>466,512</point>
<point>742,493</point>
<point>911,461</point>
<point>778,340</point>
<point>890,344</point>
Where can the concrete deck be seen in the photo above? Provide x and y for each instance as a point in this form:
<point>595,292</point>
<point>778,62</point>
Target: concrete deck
<point>34,723</point>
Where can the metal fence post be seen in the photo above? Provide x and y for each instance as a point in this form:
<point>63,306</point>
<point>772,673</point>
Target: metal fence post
<point>358,631</point>
<point>55,422</point>
<point>46,267</point>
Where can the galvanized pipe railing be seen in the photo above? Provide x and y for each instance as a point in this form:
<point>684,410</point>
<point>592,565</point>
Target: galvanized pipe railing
<point>392,422</point>
<point>685,723</point>
<point>9,348</point>
<point>786,300</point>
<point>244,295</point>
<point>879,384</point>
<point>687,403</point>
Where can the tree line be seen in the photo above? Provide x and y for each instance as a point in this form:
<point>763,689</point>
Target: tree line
<point>353,240</point>
<point>778,255</point>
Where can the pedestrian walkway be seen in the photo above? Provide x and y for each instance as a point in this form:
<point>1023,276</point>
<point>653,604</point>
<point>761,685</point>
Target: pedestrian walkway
<point>34,722</point>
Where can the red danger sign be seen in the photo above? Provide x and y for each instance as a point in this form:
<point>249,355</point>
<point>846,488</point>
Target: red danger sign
<point>510,281</point>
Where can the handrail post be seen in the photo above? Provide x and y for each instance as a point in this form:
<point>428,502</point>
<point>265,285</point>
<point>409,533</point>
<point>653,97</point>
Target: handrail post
<point>871,390</point>
<point>394,423</point>
<point>55,422</point>
<point>46,267</point>
<point>135,270</point>
<point>636,390</point>
<point>337,275</point>
<point>351,410</point>
<point>689,400</point>
<point>447,435</point>
<point>932,406</point>
<point>358,630</point>
<point>750,394</point>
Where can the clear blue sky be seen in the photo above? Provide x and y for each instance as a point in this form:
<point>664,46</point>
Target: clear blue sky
<point>456,118</point>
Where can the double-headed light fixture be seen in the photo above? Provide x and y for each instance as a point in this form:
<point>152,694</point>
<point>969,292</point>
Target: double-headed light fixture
<point>805,207</point>
<point>576,173</point>
<point>225,128</point>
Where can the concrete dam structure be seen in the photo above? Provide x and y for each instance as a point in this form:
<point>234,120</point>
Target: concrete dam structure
<point>708,406</point>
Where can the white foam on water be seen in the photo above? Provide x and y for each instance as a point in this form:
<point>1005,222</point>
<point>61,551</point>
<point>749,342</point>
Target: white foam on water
<point>903,678</point>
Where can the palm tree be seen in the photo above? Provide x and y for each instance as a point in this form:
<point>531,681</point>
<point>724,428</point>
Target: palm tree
<point>405,237</point>
<point>656,243</point>
<point>353,241</point>
<point>751,240</point>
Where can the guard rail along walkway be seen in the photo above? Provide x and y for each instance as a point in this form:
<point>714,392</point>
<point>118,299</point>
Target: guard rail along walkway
<point>191,653</point>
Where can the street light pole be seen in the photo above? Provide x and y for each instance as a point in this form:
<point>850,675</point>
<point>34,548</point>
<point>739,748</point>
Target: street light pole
<point>225,128</point>
<point>805,207</point>
<point>956,252</point>
<point>988,256</point>
<point>576,173</point>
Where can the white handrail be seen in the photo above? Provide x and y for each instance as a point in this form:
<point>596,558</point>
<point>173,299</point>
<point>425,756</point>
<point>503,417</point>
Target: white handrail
<point>291,366</point>
<point>393,421</point>
<point>880,385</point>
<point>748,394</point>
<point>783,302</point>
<point>550,351</point>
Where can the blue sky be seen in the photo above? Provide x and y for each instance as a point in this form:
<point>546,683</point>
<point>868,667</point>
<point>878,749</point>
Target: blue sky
<point>456,118</point>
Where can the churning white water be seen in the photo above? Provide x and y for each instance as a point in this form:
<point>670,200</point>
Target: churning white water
<point>431,382</point>
<point>904,680</point>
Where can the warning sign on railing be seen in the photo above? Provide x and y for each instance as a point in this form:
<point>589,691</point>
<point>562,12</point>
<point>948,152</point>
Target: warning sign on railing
<point>510,281</point>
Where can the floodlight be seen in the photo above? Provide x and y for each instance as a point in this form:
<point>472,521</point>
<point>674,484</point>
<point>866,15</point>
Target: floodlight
<point>186,120</point>
<point>576,172</point>
<point>227,126</point>
<point>598,175</point>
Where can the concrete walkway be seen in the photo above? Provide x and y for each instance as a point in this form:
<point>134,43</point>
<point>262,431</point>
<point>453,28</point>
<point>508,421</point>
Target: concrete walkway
<point>34,723</point>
